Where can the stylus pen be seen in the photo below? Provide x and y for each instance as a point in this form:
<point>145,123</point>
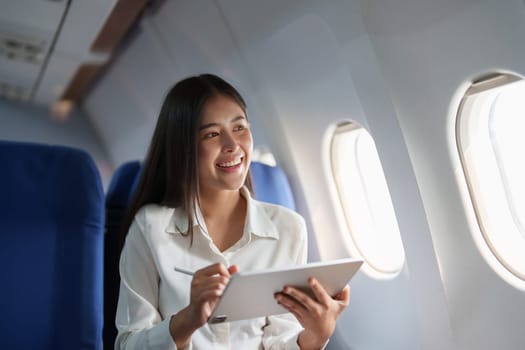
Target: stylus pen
<point>186,272</point>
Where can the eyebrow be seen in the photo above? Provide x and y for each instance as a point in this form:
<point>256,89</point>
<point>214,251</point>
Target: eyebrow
<point>202,127</point>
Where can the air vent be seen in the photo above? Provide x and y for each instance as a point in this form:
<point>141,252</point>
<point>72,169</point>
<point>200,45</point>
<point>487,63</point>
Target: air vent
<point>20,49</point>
<point>13,92</point>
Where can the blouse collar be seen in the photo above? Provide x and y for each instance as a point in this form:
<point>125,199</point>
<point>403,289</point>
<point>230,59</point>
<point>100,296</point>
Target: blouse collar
<point>258,221</point>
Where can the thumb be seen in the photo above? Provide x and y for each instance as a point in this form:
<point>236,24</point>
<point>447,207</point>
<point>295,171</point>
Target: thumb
<point>233,269</point>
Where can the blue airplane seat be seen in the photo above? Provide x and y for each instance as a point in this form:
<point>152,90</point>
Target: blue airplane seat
<point>270,184</point>
<point>51,248</point>
<point>118,197</point>
<point>119,191</point>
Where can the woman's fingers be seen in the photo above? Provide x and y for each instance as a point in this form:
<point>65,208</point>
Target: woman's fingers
<point>299,296</point>
<point>207,286</point>
<point>233,269</point>
<point>204,286</point>
<point>343,296</point>
<point>213,269</point>
<point>211,280</point>
<point>210,276</point>
<point>300,304</point>
<point>290,304</point>
<point>319,292</point>
<point>320,296</point>
<point>316,304</point>
<point>317,313</point>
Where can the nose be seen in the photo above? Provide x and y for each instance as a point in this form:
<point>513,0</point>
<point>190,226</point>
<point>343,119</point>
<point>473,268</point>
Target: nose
<point>229,143</point>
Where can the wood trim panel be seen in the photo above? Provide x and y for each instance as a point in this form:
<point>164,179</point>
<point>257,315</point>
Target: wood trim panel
<point>81,81</point>
<point>121,18</point>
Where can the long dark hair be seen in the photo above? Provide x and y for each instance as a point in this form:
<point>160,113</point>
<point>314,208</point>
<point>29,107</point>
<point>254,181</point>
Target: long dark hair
<point>170,174</point>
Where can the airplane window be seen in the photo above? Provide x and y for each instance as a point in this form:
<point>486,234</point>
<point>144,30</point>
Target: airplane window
<point>490,140</point>
<point>365,201</point>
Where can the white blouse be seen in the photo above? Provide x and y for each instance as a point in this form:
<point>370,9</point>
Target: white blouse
<point>151,291</point>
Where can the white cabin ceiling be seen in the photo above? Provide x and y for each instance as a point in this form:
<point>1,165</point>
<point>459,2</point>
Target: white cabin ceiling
<point>53,50</point>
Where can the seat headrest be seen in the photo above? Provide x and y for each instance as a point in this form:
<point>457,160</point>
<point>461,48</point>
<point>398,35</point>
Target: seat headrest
<point>56,180</point>
<point>271,185</point>
<point>122,185</point>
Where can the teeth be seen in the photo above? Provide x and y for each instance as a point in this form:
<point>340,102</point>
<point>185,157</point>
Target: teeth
<point>230,164</point>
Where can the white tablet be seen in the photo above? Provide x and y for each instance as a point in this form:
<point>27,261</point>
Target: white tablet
<point>251,294</point>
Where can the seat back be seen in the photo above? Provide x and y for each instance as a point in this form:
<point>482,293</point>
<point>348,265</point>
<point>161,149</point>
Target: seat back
<point>270,184</point>
<point>51,250</point>
<point>118,196</point>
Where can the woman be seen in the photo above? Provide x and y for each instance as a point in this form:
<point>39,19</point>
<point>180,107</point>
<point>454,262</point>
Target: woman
<point>193,211</point>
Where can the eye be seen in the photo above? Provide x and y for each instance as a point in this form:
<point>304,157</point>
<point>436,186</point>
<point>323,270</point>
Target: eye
<point>210,135</point>
<point>240,127</point>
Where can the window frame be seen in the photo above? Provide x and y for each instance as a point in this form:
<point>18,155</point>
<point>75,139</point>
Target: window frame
<point>486,89</point>
<point>352,242</point>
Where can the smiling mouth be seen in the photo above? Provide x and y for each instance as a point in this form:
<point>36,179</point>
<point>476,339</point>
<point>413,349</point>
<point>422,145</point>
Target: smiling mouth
<point>230,164</point>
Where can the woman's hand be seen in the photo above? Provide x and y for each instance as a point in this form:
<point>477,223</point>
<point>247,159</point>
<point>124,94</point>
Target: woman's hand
<point>207,287</point>
<point>317,315</point>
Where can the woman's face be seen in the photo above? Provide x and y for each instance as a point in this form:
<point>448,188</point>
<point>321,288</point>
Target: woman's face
<point>224,146</point>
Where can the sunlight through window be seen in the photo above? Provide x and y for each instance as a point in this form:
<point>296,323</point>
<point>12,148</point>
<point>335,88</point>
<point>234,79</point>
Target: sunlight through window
<point>491,143</point>
<point>365,200</point>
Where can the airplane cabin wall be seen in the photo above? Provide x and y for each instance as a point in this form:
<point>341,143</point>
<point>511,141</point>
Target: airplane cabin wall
<point>163,52</point>
<point>301,61</point>
<point>304,66</point>
<point>429,52</point>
